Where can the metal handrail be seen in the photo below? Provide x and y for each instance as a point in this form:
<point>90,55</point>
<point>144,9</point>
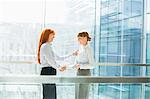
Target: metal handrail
<point>75,79</point>
<point>96,64</point>
<point>119,64</point>
<point>18,62</point>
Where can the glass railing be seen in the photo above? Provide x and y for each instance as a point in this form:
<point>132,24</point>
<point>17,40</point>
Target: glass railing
<point>67,91</point>
<point>22,84</point>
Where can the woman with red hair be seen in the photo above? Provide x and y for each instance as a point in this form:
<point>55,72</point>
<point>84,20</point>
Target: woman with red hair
<point>47,60</point>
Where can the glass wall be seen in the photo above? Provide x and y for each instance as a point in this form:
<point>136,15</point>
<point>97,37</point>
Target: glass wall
<point>147,29</point>
<point>148,33</point>
<point>117,27</point>
<point>122,25</point>
<point>21,22</point>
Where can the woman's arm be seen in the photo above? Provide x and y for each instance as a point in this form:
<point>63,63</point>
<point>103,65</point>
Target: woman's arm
<point>62,57</point>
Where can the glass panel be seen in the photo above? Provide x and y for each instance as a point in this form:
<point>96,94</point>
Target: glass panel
<point>147,91</point>
<point>21,22</point>
<point>97,91</point>
<point>148,6</point>
<point>148,23</point>
<point>121,23</point>
<point>20,25</point>
<point>132,8</point>
<point>109,91</point>
<point>131,90</point>
<point>110,37</point>
<point>21,11</point>
<point>148,36</point>
<point>70,18</point>
<point>148,55</point>
<point>20,91</point>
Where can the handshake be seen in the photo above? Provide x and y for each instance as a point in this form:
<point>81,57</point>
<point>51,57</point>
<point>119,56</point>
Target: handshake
<point>63,68</point>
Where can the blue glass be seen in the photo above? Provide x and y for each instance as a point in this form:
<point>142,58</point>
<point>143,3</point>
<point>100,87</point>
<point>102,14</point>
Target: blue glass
<point>148,55</point>
<point>121,23</point>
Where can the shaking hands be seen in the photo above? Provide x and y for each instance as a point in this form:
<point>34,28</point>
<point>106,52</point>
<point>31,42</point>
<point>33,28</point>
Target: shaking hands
<point>75,53</point>
<point>77,66</point>
<point>62,68</point>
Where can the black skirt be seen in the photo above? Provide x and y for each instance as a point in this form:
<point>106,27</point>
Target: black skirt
<point>49,90</point>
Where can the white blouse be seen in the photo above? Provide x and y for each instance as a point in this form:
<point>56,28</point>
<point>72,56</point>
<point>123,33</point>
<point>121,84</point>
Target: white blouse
<point>48,57</point>
<point>85,57</point>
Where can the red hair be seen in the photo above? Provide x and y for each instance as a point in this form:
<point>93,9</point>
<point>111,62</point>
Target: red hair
<point>43,39</point>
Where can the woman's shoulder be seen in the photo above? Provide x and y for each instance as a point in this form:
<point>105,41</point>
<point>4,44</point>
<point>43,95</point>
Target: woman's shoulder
<point>88,46</point>
<point>43,46</point>
<point>89,49</point>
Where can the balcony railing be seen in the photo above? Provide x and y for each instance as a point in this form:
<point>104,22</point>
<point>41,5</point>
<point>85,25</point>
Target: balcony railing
<point>65,79</point>
<point>77,79</point>
<point>96,64</point>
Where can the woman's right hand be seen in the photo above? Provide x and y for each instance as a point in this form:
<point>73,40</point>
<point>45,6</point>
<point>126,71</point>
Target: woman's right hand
<point>62,68</point>
<point>75,53</point>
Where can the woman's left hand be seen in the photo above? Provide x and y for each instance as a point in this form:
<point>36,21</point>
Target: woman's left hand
<point>75,53</point>
<point>77,66</point>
